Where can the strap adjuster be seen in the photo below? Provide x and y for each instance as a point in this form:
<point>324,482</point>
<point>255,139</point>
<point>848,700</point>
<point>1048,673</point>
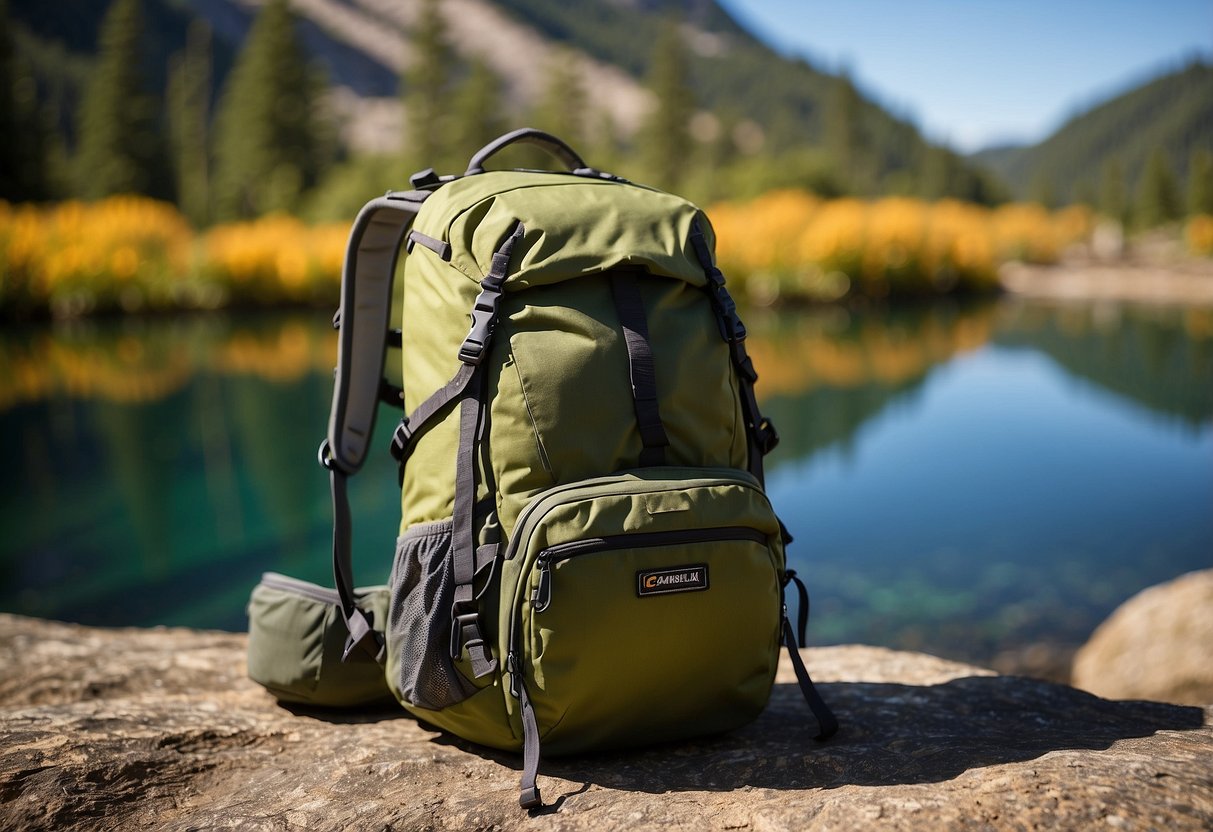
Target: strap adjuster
<point>400,439</point>
<point>767,436</point>
<point>465,629</point>
<point>484,321</point>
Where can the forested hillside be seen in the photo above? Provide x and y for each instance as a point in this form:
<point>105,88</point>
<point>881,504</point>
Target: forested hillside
<point>1172,114</point>
<point>769,120</point>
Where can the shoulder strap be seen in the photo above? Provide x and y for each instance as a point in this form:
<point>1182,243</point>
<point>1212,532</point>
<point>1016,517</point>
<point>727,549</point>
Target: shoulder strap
<point>366,297</point>
<point>363,318</point>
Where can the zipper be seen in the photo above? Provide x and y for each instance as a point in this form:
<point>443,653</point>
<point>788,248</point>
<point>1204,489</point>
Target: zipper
<point>298,587</point>
<point>541,596</point>
<point>599,487</point>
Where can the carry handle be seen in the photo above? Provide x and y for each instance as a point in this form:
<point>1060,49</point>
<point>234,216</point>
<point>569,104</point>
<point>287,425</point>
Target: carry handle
<point>528,135</point>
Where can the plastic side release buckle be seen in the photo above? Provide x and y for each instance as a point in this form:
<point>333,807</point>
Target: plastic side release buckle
<point>768,436</point>
<point>468,623</point>
<point>400,439</point>
<point>484,320</point>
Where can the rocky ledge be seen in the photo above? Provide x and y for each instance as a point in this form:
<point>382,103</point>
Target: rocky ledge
<point>138,729</point>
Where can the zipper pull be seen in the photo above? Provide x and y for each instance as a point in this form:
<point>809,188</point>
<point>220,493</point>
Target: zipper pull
<point>541,597</point>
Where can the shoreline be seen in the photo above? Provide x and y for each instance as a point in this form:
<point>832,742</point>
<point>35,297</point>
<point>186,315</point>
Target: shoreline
<point>1178,283</point>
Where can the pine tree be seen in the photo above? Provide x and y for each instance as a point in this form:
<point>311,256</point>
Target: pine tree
<point>426,87</point>
<point>1043,191</point>
<point>1158,195</point>
<point>118,147</point>
<point>938,171</point>
<point>1084,194</point>
<point>843,133</point>
<point>476,110</point>
<point>23,161</point>
<point>1113,197</point>
<point>189,90</point>
<point>1200,183</point>
<point>269,145</point>
<point>665,136</point>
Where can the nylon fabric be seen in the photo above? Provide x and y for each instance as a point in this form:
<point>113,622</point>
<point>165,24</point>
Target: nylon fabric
<point>581,327</point>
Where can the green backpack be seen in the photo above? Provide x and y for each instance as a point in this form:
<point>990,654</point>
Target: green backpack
<point>587,556</point>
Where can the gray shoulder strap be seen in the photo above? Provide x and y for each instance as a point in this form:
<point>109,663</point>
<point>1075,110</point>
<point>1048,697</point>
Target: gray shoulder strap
<point>366,296</point>
<point>363,318</point>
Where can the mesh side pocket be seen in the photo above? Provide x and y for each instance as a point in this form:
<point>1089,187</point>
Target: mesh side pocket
<point>419,623</point>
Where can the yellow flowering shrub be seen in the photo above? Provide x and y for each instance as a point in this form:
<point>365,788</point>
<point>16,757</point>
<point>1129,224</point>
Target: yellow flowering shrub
<point>791,243</point>
<point>277,257</point>
<point>1199,234</point>
<point>123,251</point>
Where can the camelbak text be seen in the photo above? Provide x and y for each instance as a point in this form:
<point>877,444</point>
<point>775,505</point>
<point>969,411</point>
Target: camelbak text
<point>674,579</point>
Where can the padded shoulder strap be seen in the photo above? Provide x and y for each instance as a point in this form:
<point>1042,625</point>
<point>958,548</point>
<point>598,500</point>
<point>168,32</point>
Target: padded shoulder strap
<point>366,296</point>
<point>364,315</point>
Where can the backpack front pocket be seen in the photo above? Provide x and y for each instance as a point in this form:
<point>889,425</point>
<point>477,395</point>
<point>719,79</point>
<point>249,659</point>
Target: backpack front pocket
<point>648,607</point>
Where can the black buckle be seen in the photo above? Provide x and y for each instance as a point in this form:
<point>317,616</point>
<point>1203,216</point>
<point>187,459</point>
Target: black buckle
<point>484,321</point>
<point>731,327</point>
<point>459,623</point>
<point>768,437</point>
<point>424,178</point>
<point>400,439</point>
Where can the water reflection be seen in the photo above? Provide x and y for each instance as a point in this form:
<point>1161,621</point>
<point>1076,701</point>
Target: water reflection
<point>162,465</point>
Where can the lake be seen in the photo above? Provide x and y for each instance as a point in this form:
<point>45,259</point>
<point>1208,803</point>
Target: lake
<point>962,479</point>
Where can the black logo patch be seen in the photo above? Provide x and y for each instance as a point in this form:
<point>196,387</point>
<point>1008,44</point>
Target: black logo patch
<point>675,579</point>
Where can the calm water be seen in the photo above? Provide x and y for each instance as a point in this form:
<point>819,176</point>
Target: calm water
<point>959,479</point>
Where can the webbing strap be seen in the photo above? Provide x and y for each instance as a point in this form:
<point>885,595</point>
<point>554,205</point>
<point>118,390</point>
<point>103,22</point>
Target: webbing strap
<point>629,305</point>
<point>827,724</point>
<point>761,436</point>
<point>465,612</point>
<point>528,793</point>
<point>802,607</point>
<point>363,642</point>
<point>465,616</point>
<point>416,422</point>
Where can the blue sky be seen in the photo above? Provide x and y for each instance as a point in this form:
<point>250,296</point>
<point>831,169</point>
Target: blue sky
<point>982,72</point>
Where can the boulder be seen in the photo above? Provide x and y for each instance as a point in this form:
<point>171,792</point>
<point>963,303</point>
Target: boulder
<point>1156,645</point>
<point>146,729</point>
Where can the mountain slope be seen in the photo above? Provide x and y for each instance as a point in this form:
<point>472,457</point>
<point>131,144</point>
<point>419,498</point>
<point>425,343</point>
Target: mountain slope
<point>1174,112</point>
<point>782,104</point>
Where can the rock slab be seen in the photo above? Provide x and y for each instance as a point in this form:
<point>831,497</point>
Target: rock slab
<point>159,729</point>
<point>1156,645</point>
